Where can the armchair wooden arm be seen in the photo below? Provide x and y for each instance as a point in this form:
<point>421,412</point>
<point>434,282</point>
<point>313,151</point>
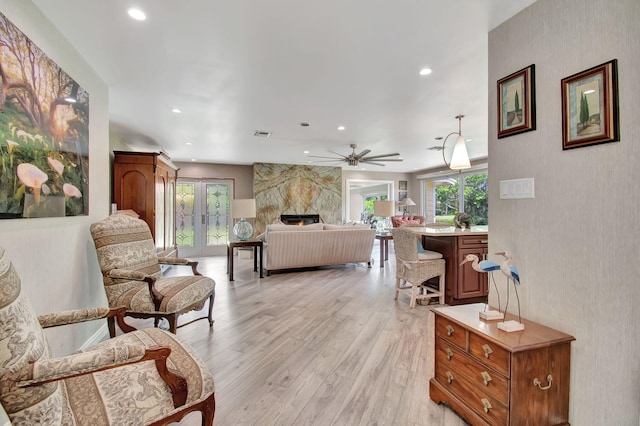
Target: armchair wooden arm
<point>75,316</point>
<point>78,364</point>
<point>180,261</point>
<point>126,274</point>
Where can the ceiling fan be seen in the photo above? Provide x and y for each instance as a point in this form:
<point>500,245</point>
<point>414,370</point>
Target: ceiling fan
<point>354,159</point>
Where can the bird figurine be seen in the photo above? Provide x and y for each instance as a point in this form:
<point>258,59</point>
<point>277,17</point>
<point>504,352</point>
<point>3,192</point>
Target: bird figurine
<point>485,266</point>
<point>507,268</point>
<point>511,272</point>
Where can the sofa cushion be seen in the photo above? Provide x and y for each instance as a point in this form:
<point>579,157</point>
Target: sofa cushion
<point>401,222</point>
<point>310,227</point>
<point>330,227</point>
<point>429,255</point>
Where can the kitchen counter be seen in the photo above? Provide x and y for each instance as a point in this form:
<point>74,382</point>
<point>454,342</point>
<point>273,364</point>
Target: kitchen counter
<point>449,230</point>
<point>463,284</point>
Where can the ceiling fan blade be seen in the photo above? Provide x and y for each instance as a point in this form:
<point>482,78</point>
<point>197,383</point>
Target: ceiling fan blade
<point>374,157</point>
<point>332,158</point>
<point>363,153</point>
<point>381,159</point>
<point>372,162</point>
<point>342,156</point>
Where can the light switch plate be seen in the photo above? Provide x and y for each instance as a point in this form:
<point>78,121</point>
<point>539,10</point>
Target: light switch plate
<point>517,188</point>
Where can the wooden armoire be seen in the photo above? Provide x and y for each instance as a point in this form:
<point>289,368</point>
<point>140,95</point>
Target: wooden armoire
<point>145,182</point>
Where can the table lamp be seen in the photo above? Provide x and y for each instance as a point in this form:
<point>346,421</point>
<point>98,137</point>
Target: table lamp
<point>406,203</point>
<point>243,209</point>
<point>384,209</point>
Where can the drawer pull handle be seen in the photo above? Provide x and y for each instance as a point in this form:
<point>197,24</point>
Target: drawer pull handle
<point>537,383</point>
<point>484,241</point>
<point>449,353</point>
<point>449,330</point>
<point>449,377</point>
<point>487,350</point>
<point>486,377</point>
<point>486,404</point>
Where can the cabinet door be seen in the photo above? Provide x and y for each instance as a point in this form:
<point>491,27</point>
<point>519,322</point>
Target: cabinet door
<point>470,282</point>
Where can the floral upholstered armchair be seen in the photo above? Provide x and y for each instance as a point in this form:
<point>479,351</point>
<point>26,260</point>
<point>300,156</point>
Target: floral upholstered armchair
<point>144,377</point>
<point>133,278</point>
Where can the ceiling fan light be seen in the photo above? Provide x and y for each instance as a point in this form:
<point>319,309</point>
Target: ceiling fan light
<point>460,157</point>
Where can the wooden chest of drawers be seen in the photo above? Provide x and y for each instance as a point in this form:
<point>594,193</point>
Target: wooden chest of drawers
<point>491,377</point>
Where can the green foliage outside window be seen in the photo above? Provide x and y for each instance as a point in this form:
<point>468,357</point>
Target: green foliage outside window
<point>475,199</point>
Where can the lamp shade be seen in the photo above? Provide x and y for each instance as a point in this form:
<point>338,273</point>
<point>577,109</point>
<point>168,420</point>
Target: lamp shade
<point>383,208</point>
<point>460,156</point>
<point>243,208</point>
<point>407,202</point>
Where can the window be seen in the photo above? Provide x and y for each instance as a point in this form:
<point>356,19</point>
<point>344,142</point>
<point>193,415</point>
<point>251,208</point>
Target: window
<point>447,196</point>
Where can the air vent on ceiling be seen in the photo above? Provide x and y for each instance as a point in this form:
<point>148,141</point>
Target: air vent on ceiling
<point>262,134</point>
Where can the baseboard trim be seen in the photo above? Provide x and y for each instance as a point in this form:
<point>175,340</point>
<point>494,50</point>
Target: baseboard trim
<point>101,334</point>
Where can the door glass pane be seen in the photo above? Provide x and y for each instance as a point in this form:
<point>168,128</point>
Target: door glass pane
<point>476,198</point>
<point>185,214</point>
<point>217,213</point>
<point>446,200</point>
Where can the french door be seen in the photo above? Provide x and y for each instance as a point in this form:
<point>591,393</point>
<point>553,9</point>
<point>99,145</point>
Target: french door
<point>202,216</point>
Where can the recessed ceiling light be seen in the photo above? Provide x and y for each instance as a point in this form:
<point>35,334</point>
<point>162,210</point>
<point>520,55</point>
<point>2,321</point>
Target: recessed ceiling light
<point>306,152</point>
<point>176,110</point>
<point>189,143</point>
<point>193,159</point>
<point>468,140</point>
<point>425,71</point>
<point>137,14</point>
<point>341,128</point>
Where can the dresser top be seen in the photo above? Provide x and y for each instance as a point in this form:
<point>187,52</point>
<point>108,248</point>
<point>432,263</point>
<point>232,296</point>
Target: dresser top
<point>533,336</point>
<point>449,231</point>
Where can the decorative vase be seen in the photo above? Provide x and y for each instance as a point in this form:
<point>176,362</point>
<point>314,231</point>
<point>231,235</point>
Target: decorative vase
<point>243,230</point>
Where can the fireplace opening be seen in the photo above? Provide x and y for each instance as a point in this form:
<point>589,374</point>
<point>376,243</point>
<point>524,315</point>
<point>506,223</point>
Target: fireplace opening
<point>299,219</point>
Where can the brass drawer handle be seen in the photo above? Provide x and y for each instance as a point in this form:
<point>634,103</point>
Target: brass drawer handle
<point>449,353</point>
<point>449,330</point>
<point>486,404</point>
<point>486,377</point>
<point>487,350</point>
<point>537,383</point>
<point>449,377</point>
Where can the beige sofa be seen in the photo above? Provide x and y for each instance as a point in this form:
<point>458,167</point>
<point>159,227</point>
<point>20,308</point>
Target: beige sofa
<point>291,246</point>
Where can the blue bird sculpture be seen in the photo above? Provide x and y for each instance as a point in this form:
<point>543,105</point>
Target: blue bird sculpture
<point>485,266</point>
<point>511,272</point>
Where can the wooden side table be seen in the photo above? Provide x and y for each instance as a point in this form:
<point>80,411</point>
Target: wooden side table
<point>252,242</point>
<point>384,247</point>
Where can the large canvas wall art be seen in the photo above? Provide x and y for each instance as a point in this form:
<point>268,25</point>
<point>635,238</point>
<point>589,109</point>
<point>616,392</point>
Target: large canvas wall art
<point>294,189</point>
<point>44,133</point>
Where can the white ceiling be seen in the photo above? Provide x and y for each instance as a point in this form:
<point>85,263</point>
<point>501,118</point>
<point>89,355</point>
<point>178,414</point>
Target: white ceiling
<point>238,66</point>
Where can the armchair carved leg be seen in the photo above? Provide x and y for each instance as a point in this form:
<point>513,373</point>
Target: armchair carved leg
<point>211,299</point>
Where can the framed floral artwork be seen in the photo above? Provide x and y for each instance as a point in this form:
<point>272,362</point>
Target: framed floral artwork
<point>590,106</point>
<point>516,102</point>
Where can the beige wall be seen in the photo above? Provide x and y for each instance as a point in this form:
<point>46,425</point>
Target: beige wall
<point>55,257</point>
<point>576,243</point>
<point>242,176</point>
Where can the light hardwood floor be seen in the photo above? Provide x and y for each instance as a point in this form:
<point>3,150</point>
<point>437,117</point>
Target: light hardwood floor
<point>327,346</point>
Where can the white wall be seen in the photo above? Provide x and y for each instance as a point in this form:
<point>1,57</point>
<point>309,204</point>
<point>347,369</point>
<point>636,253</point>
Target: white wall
<point>575,244</point>
<point>55,257</point>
